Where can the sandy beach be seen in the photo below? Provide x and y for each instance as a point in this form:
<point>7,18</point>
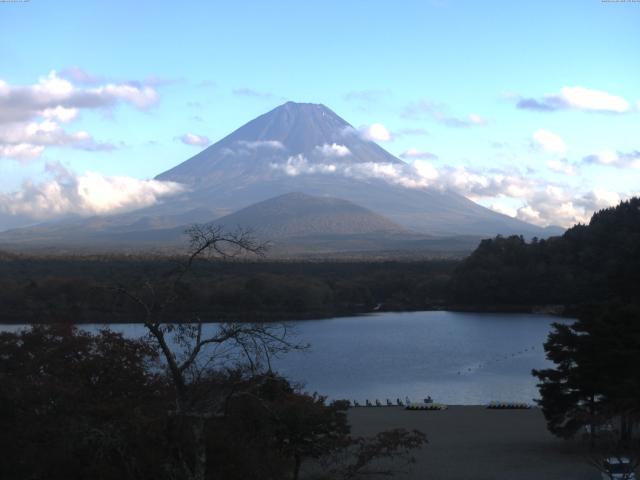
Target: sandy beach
<point>473,442</point>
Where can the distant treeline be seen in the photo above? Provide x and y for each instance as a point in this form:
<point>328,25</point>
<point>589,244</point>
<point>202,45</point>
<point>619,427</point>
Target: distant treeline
<point>84,289</point>
<point>590,264</point>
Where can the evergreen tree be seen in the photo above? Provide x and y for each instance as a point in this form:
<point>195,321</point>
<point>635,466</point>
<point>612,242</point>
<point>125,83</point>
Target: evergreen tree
<point>596,379</point>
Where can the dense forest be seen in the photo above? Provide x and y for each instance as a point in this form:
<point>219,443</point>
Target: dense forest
<point>84,289</point>
<point>589,264</point>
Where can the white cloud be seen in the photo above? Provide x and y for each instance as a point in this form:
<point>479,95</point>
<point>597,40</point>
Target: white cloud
<point>504,209</point>
<point>557,205</point>
<point>27,140</point>
<point>333,150</point>
<point>375,132</point>
<point>64,115</point>
<point>141,97</point>
<point>420,174</point>
<point>549,141</point>
<point>595,100</point>
<point>545,204</point>
<point>415,154</point>
<point>396,173</point>
<point>528,214</point>
<point>195,140</point>
<point>578,98</point>
<point>272,144</point>
<point>21,151</point>
<point>87,194</point>
<point>599,198</point>
<point>43,133</point>
<point>562,166</point>
<point>604,157</point>
<point>425,170</point>
<point>299,165</point>
<point>609,158</point>
<point>552,205</point>
<point>21,103</point>
<point>30,114</point>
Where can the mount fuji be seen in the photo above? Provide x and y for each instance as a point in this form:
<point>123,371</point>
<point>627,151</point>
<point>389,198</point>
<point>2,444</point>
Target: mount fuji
<point>304,147</point>
<point>300,148</point>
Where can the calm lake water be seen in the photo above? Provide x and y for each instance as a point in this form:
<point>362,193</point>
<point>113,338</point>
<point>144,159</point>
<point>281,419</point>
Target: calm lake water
<point>456,358</point>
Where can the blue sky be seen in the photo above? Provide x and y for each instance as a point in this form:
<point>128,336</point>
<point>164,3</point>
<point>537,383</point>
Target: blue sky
<point>530,108</point>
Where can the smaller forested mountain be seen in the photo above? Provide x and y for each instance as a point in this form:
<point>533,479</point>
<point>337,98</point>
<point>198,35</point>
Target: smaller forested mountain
<point>299,215</point>
<point>594,263</point>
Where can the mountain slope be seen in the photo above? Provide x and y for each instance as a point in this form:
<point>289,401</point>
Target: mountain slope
<point>293,224</point>
<point>287,131</point>
<point>308,148</point>
<point>300,215</point>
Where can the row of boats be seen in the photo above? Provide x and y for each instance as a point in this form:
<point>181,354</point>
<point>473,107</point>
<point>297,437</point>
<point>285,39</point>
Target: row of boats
<point>389,403</point>
<point>429,404</point>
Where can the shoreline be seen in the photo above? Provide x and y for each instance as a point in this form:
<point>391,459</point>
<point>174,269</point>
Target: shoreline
<point>554,310</point>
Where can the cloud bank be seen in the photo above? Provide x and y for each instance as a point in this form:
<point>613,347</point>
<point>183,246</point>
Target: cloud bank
<point>541,202</point>
<point>66,193</point>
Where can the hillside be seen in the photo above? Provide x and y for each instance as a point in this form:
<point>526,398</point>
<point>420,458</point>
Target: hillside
<point>594,263</point>
<point>300,215</point>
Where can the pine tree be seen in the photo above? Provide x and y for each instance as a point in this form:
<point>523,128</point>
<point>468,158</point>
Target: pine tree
<point>596,378</point>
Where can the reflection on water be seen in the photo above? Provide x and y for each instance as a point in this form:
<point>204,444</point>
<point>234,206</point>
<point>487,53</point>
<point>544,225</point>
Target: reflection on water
<point>456,358</point>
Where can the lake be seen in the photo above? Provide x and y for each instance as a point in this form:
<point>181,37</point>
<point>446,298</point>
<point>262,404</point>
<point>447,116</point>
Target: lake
<point>456,358</point>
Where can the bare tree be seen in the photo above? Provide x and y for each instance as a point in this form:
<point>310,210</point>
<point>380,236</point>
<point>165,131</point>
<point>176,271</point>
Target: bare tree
<point>192,350</point>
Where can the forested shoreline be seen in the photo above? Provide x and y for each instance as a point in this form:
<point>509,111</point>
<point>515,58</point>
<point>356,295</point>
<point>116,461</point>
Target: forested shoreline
<point>84,289</point>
